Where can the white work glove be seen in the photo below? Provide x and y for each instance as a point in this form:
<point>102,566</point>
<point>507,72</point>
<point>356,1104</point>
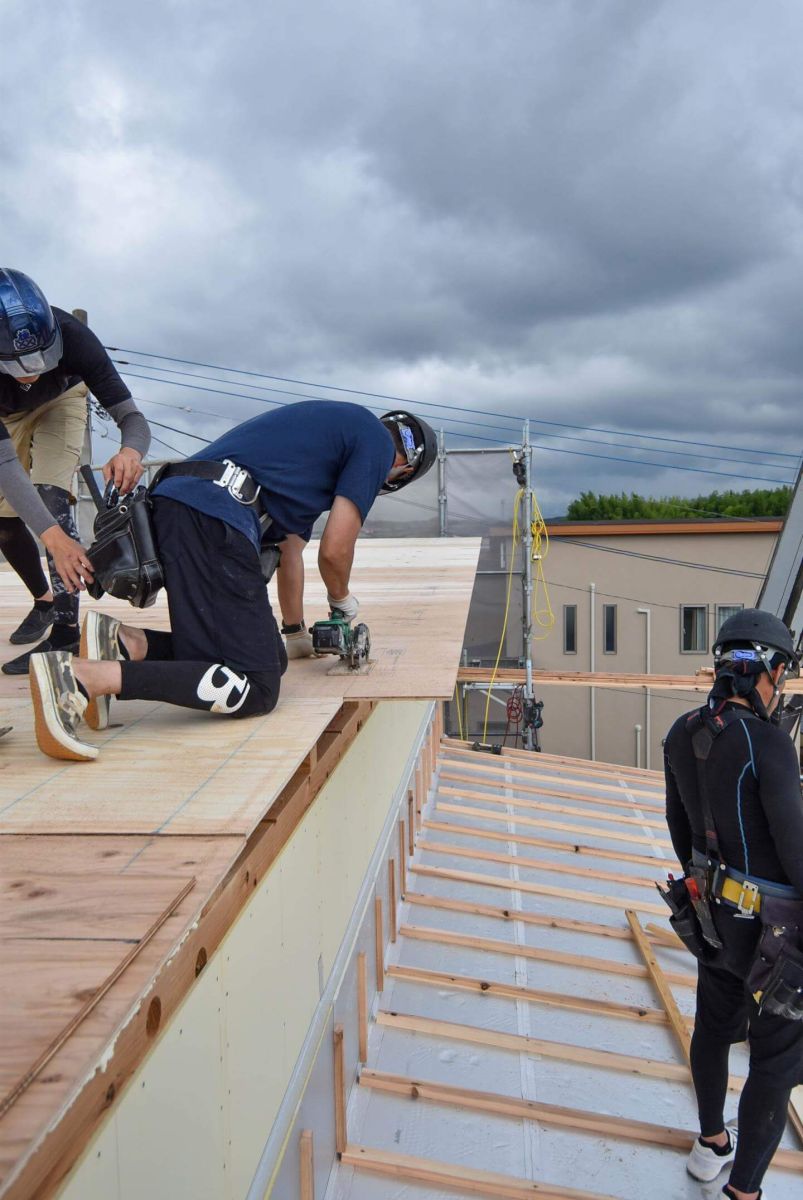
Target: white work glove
<point>298,645</point>
<point>349,605</point>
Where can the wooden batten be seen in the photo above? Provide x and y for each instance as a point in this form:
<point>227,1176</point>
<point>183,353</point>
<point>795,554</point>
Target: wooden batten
<point>362,1007</point>
<point>306,1166</point>
<point>392,903</point>
<point>340,1089</point>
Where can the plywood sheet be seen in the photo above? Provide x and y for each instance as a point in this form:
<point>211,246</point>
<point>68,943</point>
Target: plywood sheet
<point>414,595</point>
<point>62,939</point>
<point>164,771</point>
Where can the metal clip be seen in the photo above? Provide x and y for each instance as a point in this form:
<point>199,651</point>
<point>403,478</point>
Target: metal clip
<point>233,479</point>
<point>750,891</point>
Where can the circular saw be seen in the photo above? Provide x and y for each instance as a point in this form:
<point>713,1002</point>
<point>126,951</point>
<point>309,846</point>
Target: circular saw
<point>336,636</point>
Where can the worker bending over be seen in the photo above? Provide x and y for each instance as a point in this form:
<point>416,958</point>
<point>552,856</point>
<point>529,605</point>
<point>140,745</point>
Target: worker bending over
<point>263,483</point>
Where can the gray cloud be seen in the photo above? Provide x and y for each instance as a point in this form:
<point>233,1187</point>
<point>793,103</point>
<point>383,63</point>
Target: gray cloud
<point>580,212</point>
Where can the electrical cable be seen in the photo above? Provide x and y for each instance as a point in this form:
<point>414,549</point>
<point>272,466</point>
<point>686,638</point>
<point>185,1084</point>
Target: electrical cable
<point>674,562</point>
<point>516,506</point>
<point>459,715</point>
<point>432,404</point>
<point>633,462</point>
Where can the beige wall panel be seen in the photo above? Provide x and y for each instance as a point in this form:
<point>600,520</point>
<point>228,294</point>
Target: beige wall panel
<point>95,1176</point>
<point>170,1125</point>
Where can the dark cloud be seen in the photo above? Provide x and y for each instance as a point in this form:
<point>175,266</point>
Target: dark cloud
<point>587,213</point>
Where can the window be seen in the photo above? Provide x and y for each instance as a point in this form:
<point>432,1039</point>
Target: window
<point>724,611</point>
<point>609,629</point>
<point>570,629</point>
<point>693,629</point>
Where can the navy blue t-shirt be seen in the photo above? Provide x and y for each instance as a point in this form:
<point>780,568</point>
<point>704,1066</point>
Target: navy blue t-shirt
<point>303,455</point>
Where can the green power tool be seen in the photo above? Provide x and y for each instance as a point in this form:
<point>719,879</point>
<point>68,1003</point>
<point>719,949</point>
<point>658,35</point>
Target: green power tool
<point>336,636</point>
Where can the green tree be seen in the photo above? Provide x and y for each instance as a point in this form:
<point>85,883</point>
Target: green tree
<point>757,502</point>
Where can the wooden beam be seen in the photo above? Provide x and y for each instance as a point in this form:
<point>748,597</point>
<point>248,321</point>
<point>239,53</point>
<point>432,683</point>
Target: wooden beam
<point>411,822</point>
<point>599,679</point>
<point>515,991</point>
<point>393,914</point>
<point>462,1179</point>
<point>667,937</point>
<point>340,1091</point>
<point>306,1166</point>
<point>660,982</point>
<point>520,1043</point>
<point>599,1124</point>
<point>632,839</point>
<point>536,864</point>
<point>454,762</point>
<point>568,810</point>
<point>579,766</point>
<point>402,858</point>
<point>585,962</point>
<point>362,1007</point>
<point>379,944</point>
<point>545,920</point>
<point>536,889</point>
<point>494,835</point>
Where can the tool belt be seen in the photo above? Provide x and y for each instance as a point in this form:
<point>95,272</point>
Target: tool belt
<point>124,553</point>
<point>775,978</point>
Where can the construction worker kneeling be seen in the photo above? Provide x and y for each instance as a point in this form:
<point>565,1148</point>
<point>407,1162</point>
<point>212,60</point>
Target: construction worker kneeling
<point>217,519</point>
<point>735,816</point>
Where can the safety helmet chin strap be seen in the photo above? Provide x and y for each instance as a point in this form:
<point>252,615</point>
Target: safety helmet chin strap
<point>737,678</point>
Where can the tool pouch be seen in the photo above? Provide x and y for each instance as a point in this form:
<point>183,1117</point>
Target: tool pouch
<point>776,974</point>
<point>270,557</point>
<point>124,555</point>
<point>685,922</point>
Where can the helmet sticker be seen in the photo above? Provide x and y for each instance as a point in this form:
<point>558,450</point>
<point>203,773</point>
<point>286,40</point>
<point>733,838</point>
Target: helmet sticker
<point>748,655</point>
<point>25,341</point>
<point>408,441</point>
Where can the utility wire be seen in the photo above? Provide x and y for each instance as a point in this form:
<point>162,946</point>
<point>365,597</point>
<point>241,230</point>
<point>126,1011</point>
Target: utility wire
<point>433,404</point>
<point>634,462</point>
<point>675,562</point>
<point>684,454</point>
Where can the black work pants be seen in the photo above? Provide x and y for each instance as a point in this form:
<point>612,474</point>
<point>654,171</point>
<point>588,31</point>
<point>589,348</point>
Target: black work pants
<point>224,652</point>
<point>727,1013</point>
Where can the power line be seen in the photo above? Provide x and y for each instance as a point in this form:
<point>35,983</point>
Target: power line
<point>459,420</point>
<point>634,462</point>
<point>432,404</point>
<point>675,562</point>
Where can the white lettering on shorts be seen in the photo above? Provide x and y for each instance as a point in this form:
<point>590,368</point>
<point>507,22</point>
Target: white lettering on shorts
<point>223,688</point>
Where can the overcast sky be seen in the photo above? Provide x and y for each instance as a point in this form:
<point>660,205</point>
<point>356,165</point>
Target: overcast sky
<point>583,211</point>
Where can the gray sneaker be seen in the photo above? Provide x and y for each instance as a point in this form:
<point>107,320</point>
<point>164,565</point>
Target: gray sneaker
<point>100,639</point>
<point>58,707</point>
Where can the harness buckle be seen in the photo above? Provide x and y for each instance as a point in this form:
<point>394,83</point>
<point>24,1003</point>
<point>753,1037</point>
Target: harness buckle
<point>233,479</point>
<point>748,892</point>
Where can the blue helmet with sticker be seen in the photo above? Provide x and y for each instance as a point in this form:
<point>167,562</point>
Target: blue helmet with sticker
<point>416,442</point>
<point>30,338</point>
<point>749,643</point>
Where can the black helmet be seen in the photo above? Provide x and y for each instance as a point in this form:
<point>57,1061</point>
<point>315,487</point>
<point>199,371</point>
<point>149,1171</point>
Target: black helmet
<point>30,338</point>
<point>414,439</point>
<point>762,629</point>
<point>744,649</point>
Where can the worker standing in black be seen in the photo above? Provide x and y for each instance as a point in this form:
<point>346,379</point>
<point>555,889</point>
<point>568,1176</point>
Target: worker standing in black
<point>262,484</point>
<point>48,361</point>
<point>751,781</point>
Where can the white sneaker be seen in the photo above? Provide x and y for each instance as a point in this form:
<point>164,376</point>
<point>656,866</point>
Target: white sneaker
<point>100,640</point>
<point>704,1164</point>
<point>58,707</point>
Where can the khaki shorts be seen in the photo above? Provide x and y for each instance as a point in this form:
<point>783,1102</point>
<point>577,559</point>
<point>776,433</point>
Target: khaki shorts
<point>49,440</point>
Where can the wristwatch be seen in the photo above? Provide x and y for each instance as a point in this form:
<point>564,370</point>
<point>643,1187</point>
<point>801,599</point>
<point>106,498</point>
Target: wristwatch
<point>299,628</point>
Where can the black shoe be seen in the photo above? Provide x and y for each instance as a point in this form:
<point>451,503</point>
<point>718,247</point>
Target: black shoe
<point>19,665</point>
<point>34,627</point>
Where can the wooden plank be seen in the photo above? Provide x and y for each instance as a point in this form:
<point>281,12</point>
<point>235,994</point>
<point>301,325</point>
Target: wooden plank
<point>54,974</point>
<point>511,798</point>
<point>624,792</point>
<point>584,962</point>
<point>598,679</point>
<point>461,1179</point>
<point>535,864</point>
<point>306,1189</point>
<point>544,920</point>
<point>562,826</point>
<point>515,991</point>
<point>340,1090</point>
<point>393,914</point>
<point>660,981</point>
<point>362,1007</point>
<point>537,889</point>
<point>223,775</point>
<point>543,760</point>
<point>379,945</point>
<point>520,1043</point>
<point>402,859</point>
<point>494,835</point>
<point>411,822</point>
<point>598,1124</point>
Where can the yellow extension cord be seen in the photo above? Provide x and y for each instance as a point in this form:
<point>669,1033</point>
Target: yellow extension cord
<point>543,617</point>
